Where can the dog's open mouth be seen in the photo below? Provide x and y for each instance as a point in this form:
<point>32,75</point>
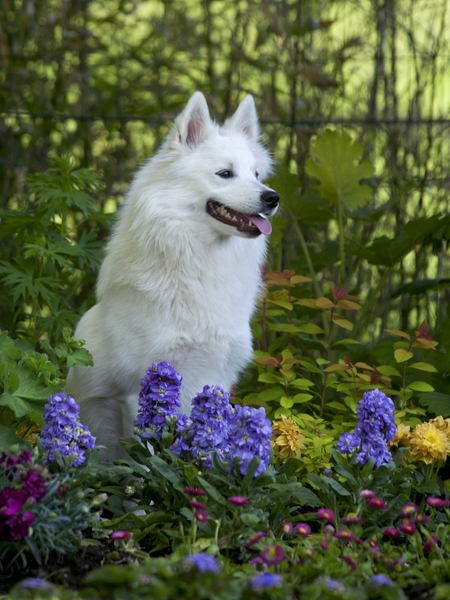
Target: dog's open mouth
<point>252,224</point>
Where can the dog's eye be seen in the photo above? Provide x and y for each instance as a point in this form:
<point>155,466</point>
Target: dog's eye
<point>225,174</point>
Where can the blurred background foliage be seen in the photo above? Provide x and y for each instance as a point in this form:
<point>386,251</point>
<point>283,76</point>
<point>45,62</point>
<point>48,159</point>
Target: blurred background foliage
<point>103,80</point>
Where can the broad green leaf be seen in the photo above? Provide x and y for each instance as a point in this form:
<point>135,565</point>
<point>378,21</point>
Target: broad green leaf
<point>337,487</point>
<point>344,323</point>
<point>437,403</point>
<point>338,171</point>
<point>421,386</point>
<point>311,328</point>
<point>299,398</point>
<point>398,332</point>
<point>388,371</point>
<point>287,402</point>
<point>402,355</point>
<point>423,367</point>
<point>269,378</point>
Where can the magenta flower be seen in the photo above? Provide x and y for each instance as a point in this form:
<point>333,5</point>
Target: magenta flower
<point>324,545</point>
<point>325,514</point>
<point>350,561</point>
<point>253,540</point>
<point>272,555</point>
<point>194,491</point>
<point>238,500</point>
<point>409,509</point>
<point>303,529</point>
<point>201,516</point>
<point>352,518</point>
<point>197,504</point>
<point>256,560</point>
<point>309,551</point>
<point>286,527</point>
<point>438,503</point>
<point>120,535</point>
<point>366,494</point>
<point>391,532</point>
<point>423,519</point>
<point>408,528</point>
<point>430,543</point>
<point>377,503</point>
<point>343,534</point>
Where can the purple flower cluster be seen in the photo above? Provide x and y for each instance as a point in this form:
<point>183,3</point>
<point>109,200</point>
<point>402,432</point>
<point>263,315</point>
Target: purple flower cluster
<point>249,436</point>
<point>208,427</point>
<point>63,430</point>
<point>28,487</point>
<point>159,399</point>
<point>376,427</point>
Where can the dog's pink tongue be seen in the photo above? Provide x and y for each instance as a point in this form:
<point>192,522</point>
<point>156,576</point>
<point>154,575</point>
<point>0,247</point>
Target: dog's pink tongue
<point>261,223</point>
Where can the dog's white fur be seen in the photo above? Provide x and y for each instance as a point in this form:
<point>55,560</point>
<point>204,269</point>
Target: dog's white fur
<point>176,285</point>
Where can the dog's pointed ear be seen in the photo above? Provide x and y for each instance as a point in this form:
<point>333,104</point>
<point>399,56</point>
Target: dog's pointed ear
<point>194,124</point>
<point>245,119</point>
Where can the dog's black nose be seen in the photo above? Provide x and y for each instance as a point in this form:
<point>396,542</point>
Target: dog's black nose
<point>270,198</point>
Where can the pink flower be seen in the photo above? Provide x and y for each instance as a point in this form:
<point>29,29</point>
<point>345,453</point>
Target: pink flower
<point>423,519</point>
<point>429,544</point>
<point>350,561</point>
<point>194,491</point>
<point>343,534</point>
<point>366,494</point>
<point>352,518</point>
<point>325,514</point>
<point>438,503</point>
<point>286,527</point>
<point>409,509</point>
<point>324,545</point>
<point>197,504</point>
<point>201,516</point>
<point>258,535</point>
<point>238,500</point>
<point>272,555</point>
<point>120,535</point>
<point>256,560</point>
<point>391,532</point>
<point>309,551</point>
<point>408,528</point>
<point>303,529</point>
<point>376,503</point>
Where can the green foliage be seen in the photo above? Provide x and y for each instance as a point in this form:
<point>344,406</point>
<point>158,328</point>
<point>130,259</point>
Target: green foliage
<point>28,378</point>
<point>53,253</point>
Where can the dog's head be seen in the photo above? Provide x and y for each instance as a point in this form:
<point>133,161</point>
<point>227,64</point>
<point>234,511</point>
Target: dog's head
<point>222,169</point>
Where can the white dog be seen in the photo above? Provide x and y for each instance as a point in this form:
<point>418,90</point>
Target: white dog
<point>182,270</point>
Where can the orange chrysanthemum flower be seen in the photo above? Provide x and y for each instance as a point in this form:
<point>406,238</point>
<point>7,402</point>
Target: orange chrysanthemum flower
<point>401,438</point>
<point>428,443</point>
<point>287,438</point>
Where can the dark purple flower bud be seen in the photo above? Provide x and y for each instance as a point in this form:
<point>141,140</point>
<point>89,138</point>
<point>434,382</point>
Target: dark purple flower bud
<point>430,543</point>
<point>197,504</point>
<point>194,491</point>
<point>350,561</point>
<point>253,540</point>
<point>324,545</point>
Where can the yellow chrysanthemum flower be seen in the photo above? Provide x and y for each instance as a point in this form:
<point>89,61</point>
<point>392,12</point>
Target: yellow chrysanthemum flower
<point>442,424</point>
<point>287,438</point>
<point>30,437</point>
<point>401,438</point>
<point>428,443</point>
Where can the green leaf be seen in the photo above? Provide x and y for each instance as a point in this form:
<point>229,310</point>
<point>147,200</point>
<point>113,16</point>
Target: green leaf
<point>421,386</point>
<point>334,165</point>
<point>299,398</point>
<point>402,355</point>
<point>269,378</point>
<point>337,487</point>
<point>423,367</point>
<point>8,438</point>
<point>437,403</point>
